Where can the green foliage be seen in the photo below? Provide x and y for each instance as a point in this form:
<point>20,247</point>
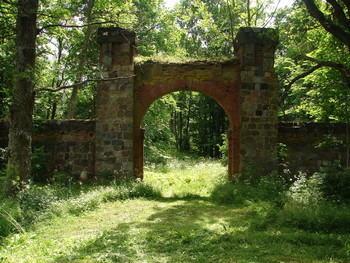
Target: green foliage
<point>35,199</point>
<point>328,141</point>
<point>223,148</point>
<point>39,170</point>
<point>332,184</point>
<point>107,176</point>
<point>187,121</point>
<point>39,203</point>
<point>184,176</point>
<point>3,161</point>
<point>63,179</point>
<point>12,181</point>
<point>335,183</point>
<point>321,218</point>
<point>322,96</point>
<point>306,190</point>
<point>267,188</point>
<point>10,216</point>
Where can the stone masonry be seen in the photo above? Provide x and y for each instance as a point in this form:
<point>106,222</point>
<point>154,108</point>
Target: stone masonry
<point>245,88</point>
<point>70,145</point>
<point>114,102</point>
<point>258,99</point>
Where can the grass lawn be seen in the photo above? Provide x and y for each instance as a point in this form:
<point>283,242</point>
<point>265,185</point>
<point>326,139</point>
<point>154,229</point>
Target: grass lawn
<point>183,225</point>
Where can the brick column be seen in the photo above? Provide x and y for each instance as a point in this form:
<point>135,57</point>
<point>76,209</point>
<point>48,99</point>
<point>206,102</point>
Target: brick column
<point>258,99</point>
<point>115,102</point>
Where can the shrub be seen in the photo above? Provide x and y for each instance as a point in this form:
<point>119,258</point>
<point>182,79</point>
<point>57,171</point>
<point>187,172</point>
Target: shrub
<point>35,199</point>
<point>10,217</point>
<point>62,179</point>
<point>268,188</point>
<point>322,217</point>
<point>3,159</point>
<point>306,190</point>
<point>39,168</point>
<point>332,183</point>
<point>335,183</point>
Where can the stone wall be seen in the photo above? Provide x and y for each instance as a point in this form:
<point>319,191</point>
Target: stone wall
<point>70,144</point>
<point>300,140</point>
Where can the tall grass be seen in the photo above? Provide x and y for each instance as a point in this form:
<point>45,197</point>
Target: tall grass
<point>38,203</point>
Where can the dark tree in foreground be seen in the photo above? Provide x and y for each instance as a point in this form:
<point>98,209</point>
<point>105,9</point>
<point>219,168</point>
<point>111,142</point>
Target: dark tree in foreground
<point>20,135</point>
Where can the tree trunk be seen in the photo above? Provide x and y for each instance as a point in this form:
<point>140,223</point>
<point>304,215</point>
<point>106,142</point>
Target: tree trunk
<point>82,61</point>
<point>249,18</point>
<point>186,142</point>
<point>20,134</point>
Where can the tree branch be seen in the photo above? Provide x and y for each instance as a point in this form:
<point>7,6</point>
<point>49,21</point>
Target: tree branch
<point>77,26</point>
<point>339,13</point>
<point>82,83</point>
<point>340,67</point>
<point>303,75</point>
<point>337,66</point>
<point>347,3</point>
<point>328,25</point>
<point>9,2</point>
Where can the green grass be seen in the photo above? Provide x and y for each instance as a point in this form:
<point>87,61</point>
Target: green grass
<point>186,178</point>
<point>185,212</point>
<point>177,59</point>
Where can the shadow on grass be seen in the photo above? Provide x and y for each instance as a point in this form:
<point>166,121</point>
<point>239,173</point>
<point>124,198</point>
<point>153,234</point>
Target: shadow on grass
<point>199,231</point>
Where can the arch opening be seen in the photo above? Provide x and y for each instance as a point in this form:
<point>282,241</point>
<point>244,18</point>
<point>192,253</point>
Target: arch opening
<point>225,123</point>
<point>184,122</point>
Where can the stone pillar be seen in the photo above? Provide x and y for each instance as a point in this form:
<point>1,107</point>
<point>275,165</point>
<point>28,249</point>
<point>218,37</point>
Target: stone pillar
<point>258,100</point>
<point>115,102</point>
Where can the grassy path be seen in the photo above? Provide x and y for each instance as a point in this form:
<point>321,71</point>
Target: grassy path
<point>165,231</point>
<point>182,226</point>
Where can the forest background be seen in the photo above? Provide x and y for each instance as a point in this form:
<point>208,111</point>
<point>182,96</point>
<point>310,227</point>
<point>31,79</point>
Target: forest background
<point>309,61</point>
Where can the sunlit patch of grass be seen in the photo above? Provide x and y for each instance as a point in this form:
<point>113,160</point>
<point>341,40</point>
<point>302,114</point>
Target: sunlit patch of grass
<point>187,178</point>
<point>142,230</point>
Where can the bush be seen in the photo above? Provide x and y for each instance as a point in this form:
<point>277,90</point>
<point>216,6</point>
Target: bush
<point>122,190</point>
<point>335,183</point>
<point>35,199</point>
<point>10,217</point>
<point>322,217</point>
<point>62,179</point>
<point>39,169</point>
<point>3,158</point>
<point>306,190</point>
<point>332,184</point>
<point>268,188</point>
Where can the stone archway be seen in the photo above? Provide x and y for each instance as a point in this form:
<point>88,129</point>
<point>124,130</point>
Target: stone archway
<point>216,80</point>
<point>245,88</point>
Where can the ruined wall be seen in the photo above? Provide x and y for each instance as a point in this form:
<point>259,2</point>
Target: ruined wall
<point>70,144</point>
<point>300,140</point>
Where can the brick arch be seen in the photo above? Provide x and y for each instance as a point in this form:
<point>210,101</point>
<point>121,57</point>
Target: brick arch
<point>215,80</point>
<point>246,88</point>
